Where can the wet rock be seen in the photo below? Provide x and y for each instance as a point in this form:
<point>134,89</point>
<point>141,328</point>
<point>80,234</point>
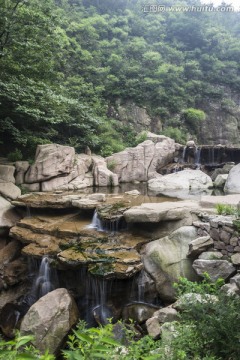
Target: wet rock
<point>9,191</point>
<point>186,179</point>
<point>199,245</point>
<point>9,252</point>
<point>50,319</point>
<point>9,318</point>
<point>14,272</point>
<point>220,180</point>
<point>138,311</point>
<point>156,212</point>
<point>166,260</point>
<point>215,268</point>
<point>51,160</point>
<point>232,185</point>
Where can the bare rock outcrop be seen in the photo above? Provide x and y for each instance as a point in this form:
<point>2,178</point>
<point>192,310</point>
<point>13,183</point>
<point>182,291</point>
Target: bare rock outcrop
<point>51,160</point>
<point>142,162</point>
<point>50,319</point>
<point>232,185</point>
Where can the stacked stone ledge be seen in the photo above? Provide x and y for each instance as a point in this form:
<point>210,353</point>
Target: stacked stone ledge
<point>224,237</point>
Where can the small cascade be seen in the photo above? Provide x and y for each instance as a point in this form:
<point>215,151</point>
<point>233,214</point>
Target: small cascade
<point>28,214</point>
<point>141,285</point>
<point>183,159</point>
<point>198,157</point>
<point>112,225</point>
<point>45,281</point>
<point>96,223</point>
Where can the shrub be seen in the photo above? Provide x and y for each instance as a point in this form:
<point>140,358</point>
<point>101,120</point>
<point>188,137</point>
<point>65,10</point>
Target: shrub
<point>193,118</point>
<point>174,133</point>
<point>15,155</point>
<point>223,209</point>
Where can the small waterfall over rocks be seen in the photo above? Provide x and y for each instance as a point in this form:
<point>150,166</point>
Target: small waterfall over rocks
<point>96,223</point>
<point>114,224</point>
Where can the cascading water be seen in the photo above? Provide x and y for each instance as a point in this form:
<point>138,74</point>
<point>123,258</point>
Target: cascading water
<point>198,157</point>
<point>96,223</point>
<point>183,160</point>
<point>45,281</point>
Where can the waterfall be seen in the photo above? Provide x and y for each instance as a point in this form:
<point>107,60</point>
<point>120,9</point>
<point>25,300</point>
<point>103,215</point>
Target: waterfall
<point>96,223</point>
<point>198,157</point>
<point>109,225</point>
<point>141,286</point>
<point>45,281</point>
<point>183,160</point>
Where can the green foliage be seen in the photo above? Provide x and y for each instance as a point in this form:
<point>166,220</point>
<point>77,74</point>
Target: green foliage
<point>206,286</point>
<point>62,63</point>
<point>20,349</point>
<point>209,330</point>
<point>15,155</point>
<point>193,118</point>
<point>177,134</point>
<point>109,342</point>
<point>223,209</point>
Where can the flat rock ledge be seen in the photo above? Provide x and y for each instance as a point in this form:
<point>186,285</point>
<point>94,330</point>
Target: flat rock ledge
<point>73,244</point>
<point>156,212</point>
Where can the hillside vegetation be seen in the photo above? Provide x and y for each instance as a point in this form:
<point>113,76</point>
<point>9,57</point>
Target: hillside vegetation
<point>64,62</point>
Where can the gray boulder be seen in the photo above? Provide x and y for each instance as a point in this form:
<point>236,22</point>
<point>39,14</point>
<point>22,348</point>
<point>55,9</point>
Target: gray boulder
<point>50,319</point>
<point>7,173</point>
<point>9,191</point>
<point>8,215</point>
<point>232,184</point>
<point>21,169</point>
<point>215,268</point>
<point>51,160</point>
<point>166,260</point>
<point>142,162</point>
<point>182,180</point>
<point>199,245</point>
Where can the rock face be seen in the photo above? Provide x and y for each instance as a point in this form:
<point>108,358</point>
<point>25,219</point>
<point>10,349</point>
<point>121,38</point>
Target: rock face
<point>186,179</point>
<point>8,215</point>
<point>130,113</point>
<point>156,212</point>
<point>7,173</point>
<point>108,255</point>
<point>102,175</point>
<point>51,160</point>
<point>232,184</point>
<point>166,260</point>
<point>9,191</point>
<point>142,162</point>
<point>50,319</point>
<point>215,268</point>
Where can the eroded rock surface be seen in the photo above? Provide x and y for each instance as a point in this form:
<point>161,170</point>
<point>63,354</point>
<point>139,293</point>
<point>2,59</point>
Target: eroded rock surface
<point>166,260</point>
<point>232,185</point>
<point>50,319</point>
<point>186,179</point>
<point>142,162</point>
<point>68,238</point>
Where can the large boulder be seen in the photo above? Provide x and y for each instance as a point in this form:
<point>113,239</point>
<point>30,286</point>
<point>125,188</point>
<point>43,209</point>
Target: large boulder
<point>232,184</point>
<point>156,212</point>
<point>9,191</point>
<point>102,175</point>
<point>142,162</point>
<point>166,260</point>
<point>50,160</point>
<point>7,173</point>
<point>8,215</point>
<point>21,169</point>
<point>182,180</point>
<point>215,268</point>
<point>50,319</point>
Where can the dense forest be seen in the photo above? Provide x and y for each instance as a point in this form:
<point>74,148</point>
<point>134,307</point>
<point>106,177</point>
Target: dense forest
<point>64,63</point>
